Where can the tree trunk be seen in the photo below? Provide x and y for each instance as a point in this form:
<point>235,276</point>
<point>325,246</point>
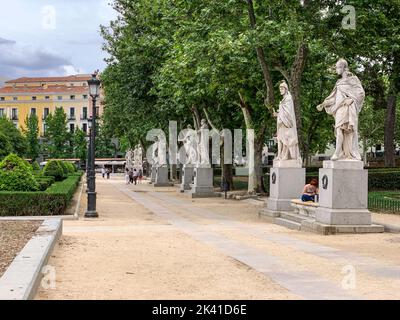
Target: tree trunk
<point>295,87</point>
<point>390,123</point>
<point>258,148</point>
<point>270,100</point>
<point>227,173</point>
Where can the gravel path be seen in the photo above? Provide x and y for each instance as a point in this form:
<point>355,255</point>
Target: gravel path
<point>13,237</point>
<point>158,244</point>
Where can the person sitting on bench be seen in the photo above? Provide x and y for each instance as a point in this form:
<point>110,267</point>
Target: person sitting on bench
<point>310,191</point>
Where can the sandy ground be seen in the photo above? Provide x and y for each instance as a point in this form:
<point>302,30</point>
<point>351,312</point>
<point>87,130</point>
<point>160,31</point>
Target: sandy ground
<point>13,237</point>
<point>132,253</point>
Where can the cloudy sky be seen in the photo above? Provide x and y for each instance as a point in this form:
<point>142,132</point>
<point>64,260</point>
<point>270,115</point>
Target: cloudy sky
<point>52,37</point>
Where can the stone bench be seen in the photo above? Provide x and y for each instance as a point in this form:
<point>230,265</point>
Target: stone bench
<point>306,209</point>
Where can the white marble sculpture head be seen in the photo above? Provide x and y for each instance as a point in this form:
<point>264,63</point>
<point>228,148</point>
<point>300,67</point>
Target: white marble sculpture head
<point>342,66</point>
<point>283,88</point>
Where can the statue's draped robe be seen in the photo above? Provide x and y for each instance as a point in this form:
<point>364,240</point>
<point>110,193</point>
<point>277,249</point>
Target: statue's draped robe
<point>346,117</point>
<point>287,129</point>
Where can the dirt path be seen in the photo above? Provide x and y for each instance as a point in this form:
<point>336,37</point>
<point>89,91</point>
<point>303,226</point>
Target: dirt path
<point>161,245</point>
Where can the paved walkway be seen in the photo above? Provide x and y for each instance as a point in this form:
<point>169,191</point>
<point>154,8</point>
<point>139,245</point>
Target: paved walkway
<point>157,244</point>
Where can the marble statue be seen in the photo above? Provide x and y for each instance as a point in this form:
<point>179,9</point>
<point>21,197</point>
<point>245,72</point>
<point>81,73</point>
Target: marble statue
<point>129,158</point>
<point>288,145</point>
<point>344,104</point>
<point>190,145</point>
<point>202,147</point>
<point>138,155</point>
<point>159,152</point>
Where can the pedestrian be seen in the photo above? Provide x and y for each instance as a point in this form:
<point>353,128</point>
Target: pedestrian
<point>130,176</point>
<point>127,176</point>
<point>108,174</point>
<point>310,191</point>
<point>135,176</point>
<point>140,176</point>
<point>103,172</point>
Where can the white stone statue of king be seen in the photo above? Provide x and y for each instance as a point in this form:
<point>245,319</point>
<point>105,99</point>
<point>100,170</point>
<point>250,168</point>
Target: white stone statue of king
<point>345,103</point>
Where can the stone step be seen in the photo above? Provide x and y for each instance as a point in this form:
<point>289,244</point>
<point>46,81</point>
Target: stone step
<point>293,217</point>
<point>288,224</point>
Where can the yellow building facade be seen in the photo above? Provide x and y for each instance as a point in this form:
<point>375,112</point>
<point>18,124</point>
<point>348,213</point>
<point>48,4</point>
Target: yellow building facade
<point>21,97</point>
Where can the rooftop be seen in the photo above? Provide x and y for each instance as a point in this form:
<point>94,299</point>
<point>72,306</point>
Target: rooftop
<point>73,78</point>
<point>43,90</point>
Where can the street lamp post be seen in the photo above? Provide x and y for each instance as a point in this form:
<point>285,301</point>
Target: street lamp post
<point>94,89</point>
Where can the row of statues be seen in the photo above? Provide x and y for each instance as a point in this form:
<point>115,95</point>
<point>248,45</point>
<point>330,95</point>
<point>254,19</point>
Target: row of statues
<point>344,104</point>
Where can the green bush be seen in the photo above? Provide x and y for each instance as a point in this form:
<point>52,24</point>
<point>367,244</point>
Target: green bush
<point>71,168</point>
<point>64,167</point>
<point>384,180</point>
<point>53,201</point>
<point>54,169</point>
<point>35,166</point>
<point>44,182</point>
<point>16,175</point>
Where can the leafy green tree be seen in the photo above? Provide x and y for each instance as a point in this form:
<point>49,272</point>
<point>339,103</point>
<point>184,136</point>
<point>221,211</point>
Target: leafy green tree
<point>13,136</point>
<point>57,135</point>
<point>80,145</point>
<point>31,133</point>
<point>5,145</point>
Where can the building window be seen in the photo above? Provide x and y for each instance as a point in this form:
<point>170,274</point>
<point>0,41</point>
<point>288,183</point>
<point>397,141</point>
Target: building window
<point>2,98</point>
<point>59,97</point>
<point>72,113</point>
<point>33,111</point>
<point>15,98</point>
<point>84,127</point>
<point>71,127</point>
<point>84,113</point>
<point>85,96</point>
<point>14,114</point>
<point>34,98</point>
<point>72,97</point>
<point>1,113</point>
<point>47,98</point>
<point>46,113</point>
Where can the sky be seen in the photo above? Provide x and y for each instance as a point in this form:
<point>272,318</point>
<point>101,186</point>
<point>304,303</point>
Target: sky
<point>52,37</point>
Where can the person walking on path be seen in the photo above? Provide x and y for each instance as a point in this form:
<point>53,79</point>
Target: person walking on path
<point>130,176</point>
<point>103,172</point>
<point>127,179</point>
<point>135,176</point>
<point>140,176</point>
<point>108,174</point>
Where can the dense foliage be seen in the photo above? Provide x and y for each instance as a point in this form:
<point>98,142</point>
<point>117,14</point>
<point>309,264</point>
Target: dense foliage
<point>16,175</point>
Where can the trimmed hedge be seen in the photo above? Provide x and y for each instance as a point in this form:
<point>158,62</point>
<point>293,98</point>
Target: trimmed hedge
<point>53,201</point>
<point>44,182</point>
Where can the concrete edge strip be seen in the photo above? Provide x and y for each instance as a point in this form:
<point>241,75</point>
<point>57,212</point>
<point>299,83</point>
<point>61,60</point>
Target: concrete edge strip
<point>76,213</point>
<point>389,227</point>
<point>22,278</point>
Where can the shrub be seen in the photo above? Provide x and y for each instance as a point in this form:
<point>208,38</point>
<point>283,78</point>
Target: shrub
<point>71,168</point>
<point>16,175</point>
<point>53,169</point>
<point>35,166</point>
<point>64,167</point>
<point>53,201</point>
<point>384,180</point>
<point>44,182</point>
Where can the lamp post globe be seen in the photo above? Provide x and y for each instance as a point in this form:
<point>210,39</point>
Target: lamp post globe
<point>94,91</point>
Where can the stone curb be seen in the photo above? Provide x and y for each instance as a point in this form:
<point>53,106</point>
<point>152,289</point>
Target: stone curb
<point>389,227</point>
<point>22,278</point>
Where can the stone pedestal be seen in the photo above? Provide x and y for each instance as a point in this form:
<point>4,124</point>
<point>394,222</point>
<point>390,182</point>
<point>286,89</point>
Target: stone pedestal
<point>187,177</point>
<point>343,199</point>
<point>287,180</point>
<point>203,184</point>
<point>161,179</point>
<point>152,174</point>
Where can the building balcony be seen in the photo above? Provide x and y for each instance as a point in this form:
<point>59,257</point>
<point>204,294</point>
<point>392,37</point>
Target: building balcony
<point>44,117</point>
<point>14,118</point>
<point>71,118</point>
<point>84,117</point>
